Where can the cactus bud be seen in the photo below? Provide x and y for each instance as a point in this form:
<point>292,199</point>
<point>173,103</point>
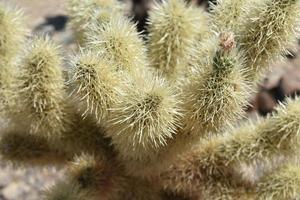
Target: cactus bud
<point>216,90</point>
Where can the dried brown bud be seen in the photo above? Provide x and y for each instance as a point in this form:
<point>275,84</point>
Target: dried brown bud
<point>227,41</point>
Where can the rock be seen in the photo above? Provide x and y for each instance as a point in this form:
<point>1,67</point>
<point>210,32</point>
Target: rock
<point>15,190</point>
<point>5,179</point>
<point>265,103</point>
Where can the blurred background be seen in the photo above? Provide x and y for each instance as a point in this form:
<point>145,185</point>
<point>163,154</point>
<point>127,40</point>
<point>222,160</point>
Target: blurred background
<point>50,17</point>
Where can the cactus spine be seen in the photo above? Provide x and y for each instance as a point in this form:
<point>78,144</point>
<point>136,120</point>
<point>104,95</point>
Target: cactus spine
<point>173,28</point>
<point>11,39</point>
<point>41,89</point>
<point>267,35</point>
<point>153,118</point>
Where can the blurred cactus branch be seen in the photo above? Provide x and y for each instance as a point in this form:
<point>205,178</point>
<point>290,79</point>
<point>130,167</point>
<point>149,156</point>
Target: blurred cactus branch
<point>152,116</point>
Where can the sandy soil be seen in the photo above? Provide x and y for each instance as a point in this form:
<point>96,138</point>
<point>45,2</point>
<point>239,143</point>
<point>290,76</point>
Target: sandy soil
<point>27,184</point>
<point>35,10</point>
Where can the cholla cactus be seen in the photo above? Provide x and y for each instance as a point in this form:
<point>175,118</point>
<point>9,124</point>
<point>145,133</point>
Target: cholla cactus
<point>154,119</point>
<point>11,38</point>
<point>40,89</point>
<point>83,12</point>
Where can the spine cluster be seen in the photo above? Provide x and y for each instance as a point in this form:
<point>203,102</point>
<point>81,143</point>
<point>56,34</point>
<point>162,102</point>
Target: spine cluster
<point>152,117</point>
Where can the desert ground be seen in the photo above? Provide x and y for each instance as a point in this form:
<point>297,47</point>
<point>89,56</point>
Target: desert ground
<point>27,183</point>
